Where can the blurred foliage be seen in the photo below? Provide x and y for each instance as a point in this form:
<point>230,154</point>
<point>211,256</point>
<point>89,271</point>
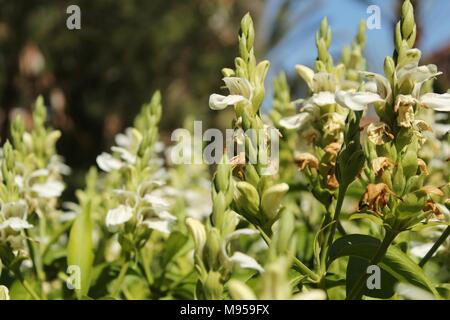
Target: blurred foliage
<point>95,79</point>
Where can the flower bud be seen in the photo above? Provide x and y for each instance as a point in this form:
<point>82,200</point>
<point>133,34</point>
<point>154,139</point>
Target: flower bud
<point>271,200</point>
<point>212,248</point>
<point>247,198</point>
<point>389,69</point>
<point>197,229</point>
<point>213,286</point>
<point>240,291</point>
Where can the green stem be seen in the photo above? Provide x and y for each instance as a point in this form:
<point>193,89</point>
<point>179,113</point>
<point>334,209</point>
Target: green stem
<point>119,281</point>
<point>357,291</point>
<point>331,230</point>
<point>27,286</point>
<point>436,246</point>
<point>306,271</point>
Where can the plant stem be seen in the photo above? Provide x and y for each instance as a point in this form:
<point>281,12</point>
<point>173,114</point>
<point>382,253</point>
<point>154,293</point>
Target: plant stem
<point>306,271</point>
<point>119,281</point>
<point>358,289</point>
<point>329,236</point>
<point>26,285</point>
<point>337,212</point>
<point>436,246</point>
<point>30,289</point>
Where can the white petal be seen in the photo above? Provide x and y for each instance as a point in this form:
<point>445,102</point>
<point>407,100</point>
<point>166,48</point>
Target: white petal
<point>306,74</point>
<point>239,86</point>
<point>219,102</point>
<point>156,201</point>
<point>295,122</point>
<point>323,98</point>
<point>15,224</point>
<point>39,173</point>
<point>357,101</point>
<point>123,139</point>
<point>126,155</point>
<point>420,250</point>
<point>383,85</point>
<point>49,189</point>
<point>438,102</point>
<point>118,216</point>
<point>246,262</point>
<point>19,182</point>
<point>163,226</point>
<point>108,163</point>
<point>165,215</point>
<point>241,232</point>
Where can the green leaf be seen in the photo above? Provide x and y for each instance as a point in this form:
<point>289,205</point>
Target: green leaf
<point>173,245</point>
<point>80,249</point>
<point>395,262</point>
<point>371,217</point>
<point>357,266</point>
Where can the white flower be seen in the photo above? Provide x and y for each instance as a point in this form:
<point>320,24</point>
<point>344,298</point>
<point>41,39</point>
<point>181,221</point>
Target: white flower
<point>157,202</point>
<point>160,225</point>
<point>240,91</point>
<point>323,98</point>
<point>239,258</point>
<point>167,216</point>
<point>296,121</point>
<point>317,82</point>
<point>48,189</point>
<point>126,155</point>
<point>16,224</point>
<point>108,163</point>
<point>418,75</point>
<point>357,101</point>
<point>246,262</point>
<point>118,216</point>
<point>437,102</point>
<point>198,232</point>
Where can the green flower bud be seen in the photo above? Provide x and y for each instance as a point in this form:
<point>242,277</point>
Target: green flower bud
<point>213,286</point>
<point>251,175</point>
<point>398,36</point>
<point>212,248</point>
<point>361,36</point>
<point>389,69</point>
<point>407,21</point>
<point>247,199</point>
<point>223,175</point>
<point>240,291</point>
<point>271,200</point>
<point>219,207</point>
<point>198,232</point>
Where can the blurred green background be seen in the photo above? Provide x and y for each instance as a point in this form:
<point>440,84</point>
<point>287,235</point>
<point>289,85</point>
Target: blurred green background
<point>94,80</point>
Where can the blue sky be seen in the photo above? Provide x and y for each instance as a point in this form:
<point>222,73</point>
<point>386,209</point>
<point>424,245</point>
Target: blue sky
<point>297,44</point>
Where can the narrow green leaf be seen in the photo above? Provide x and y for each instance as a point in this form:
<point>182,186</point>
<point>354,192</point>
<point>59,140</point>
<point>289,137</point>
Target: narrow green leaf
<point>395,262</point>
<point>80,249</point>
